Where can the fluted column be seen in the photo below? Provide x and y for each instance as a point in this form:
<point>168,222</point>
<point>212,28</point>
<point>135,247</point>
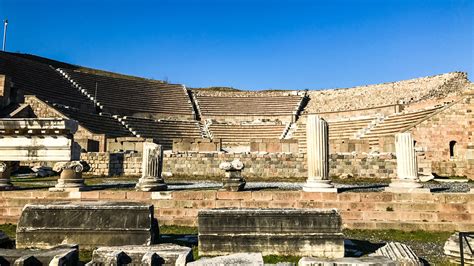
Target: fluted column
<point>152,165</point>
<point>5,182</point>
<point>317,142</point>
<point>407,166</point>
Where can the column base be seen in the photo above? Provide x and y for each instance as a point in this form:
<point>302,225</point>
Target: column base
<point>151,184</point>
<point>406,186</point>
<point>319,186</point>
<point>233,184</point>
<point>69,185</point>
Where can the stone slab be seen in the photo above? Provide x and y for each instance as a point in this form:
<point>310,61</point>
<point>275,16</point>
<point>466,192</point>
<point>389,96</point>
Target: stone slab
<point>56,256</point>
<point>451,250</point>
<point>88,224</point>
<point>248,259</point>
<point>162,254</point>
<point>400,253</point>
<point>35,148</point>
<point>298,232</point>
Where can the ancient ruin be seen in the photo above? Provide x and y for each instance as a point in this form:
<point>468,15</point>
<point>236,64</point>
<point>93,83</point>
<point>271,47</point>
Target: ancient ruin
<point>304,154</point>
<point>303,232</point>
<point>87,224</point>
<point>152,165</point>
<point>233,181</point>
<point>318,156</point>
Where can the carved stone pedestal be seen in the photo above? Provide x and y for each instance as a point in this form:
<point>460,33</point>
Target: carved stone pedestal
<point>233,180</point>
<point>5,182</point>
<point>152,165</point>
<point>71,177</point>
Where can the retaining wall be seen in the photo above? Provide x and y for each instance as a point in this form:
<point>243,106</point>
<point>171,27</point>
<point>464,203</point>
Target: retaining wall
<point>375,210</point>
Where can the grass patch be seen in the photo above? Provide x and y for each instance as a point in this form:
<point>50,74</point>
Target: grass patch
<point>398,235</point>
<point>178,230</point>
<point>9,229</point>
<point>273,259</point>
<point>85,255</point>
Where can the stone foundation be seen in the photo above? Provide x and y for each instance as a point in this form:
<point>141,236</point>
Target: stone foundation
<point>375,210</point>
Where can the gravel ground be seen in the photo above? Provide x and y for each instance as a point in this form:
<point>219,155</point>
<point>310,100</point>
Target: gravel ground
<point>252,186</point>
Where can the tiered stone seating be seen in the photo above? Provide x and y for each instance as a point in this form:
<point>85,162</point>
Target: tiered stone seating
<point>163,131</point>
<point>34,78</point>
<point>235,134</point>
<point>396,123</point>
<point>135,95</point>
<point>340,129</point>
<point>97,123</point>
<point>254,104</point>
<point>370,96</point>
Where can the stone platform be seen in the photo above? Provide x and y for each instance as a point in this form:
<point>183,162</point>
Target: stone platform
<point>62,255</point>
<point>88,224</point>
<point>297,232</point>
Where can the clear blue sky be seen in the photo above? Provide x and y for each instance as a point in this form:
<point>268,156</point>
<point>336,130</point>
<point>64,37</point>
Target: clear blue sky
<point>250,44</point>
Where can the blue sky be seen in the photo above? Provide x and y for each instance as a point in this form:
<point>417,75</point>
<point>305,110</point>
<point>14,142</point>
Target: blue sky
<point>250,44</point>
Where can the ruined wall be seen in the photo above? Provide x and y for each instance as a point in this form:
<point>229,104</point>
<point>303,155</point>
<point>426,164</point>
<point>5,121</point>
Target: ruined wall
<point>83,137</point>
<point>113,164</point>
<point>4,91</point>
<point>258,166</point>
<point>376,210</point>
<point>435,134</point>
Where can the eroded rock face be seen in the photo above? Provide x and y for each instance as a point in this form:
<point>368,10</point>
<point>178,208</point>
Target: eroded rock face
<point>232,259</point>
<point>298,232</point>
<point>88,224</point>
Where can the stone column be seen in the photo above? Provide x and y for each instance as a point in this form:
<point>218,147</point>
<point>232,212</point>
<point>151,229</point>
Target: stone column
<point>317,142</point>
<point>5,183</point>
<point>152,165</point>
<point>70,178</point>
<point>407,166</point>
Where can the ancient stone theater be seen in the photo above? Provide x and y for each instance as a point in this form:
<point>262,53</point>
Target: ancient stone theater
<point>107,118</point>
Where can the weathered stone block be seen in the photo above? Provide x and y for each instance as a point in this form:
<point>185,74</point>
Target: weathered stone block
<point>61,255</point>
<point>88,224</point>
<point>162,254</point>
<point>298,232</point>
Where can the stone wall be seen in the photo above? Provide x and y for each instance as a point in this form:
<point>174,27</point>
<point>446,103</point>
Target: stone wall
<point>258,166</point>
<point>113,164</point>
<point>274,145</point>
<point>4,91</point>
<point>196,145</point>
<point>452,125</point>
<point>373,210</point>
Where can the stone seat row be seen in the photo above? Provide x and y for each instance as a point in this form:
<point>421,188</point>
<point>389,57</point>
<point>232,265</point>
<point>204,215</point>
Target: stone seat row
<point>396,123</point>
<point>30,77</point>
<point>133,94</point>
<point>231,133</point>
<point>162,130</point>
<point>337,130</point>
<point>210,105</point>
